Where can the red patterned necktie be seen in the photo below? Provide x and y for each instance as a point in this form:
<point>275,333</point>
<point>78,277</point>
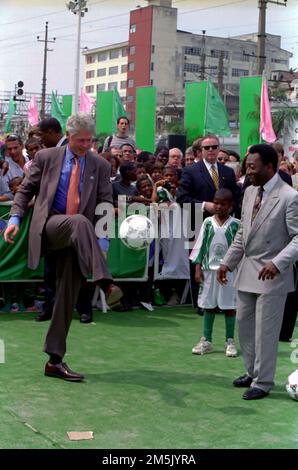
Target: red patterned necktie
<point>73,195</point>
<point>257,204</point>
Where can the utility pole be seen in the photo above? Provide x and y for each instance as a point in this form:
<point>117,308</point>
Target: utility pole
<point>261,45</point>
<point>220,75</point>
<point>44,76</point>
<point>77,7</point>
<point>203,56</point>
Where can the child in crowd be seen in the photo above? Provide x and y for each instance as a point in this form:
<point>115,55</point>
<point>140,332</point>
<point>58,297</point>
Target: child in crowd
<point>215,237</point>
<point>32,145</point>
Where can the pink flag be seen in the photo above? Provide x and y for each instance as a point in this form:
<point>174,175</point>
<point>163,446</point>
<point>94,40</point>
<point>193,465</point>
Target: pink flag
<point>266,130</point>
<point>33,112</point>
<point>86,102</point>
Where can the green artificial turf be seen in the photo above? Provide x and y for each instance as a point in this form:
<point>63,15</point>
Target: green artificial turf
<point>143,388</point>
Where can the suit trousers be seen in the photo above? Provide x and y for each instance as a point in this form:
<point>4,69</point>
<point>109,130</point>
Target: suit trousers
<point>259,318</point>
<point>79,256</point>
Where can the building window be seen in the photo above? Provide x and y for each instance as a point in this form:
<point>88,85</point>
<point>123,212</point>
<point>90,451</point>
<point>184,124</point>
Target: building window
<point>192,50</point>
<point>124,68</point>
<point>90,59</point>
<point>89,89</point>
<point>279,61</point>
<point>151,82</point>
<point>242,56</point>
<point>101,87</point>
<point>101,72</point>
<point>217,53</point>
<point>132,50</point>
<point>191,67</point>
<point>239,73</point>
<point>114,54</point>
<point>131,66</point>
<point>133,28</point>
<point>129,98</point>
<point>152,66</point>
<point>112,85</point>
<point>124,51</point>
<point>123,85</point>
<point>101,56</point>
<point>113,70</point>
<point>90,73</point>
<point>152,49</point>
<point>130,83</point>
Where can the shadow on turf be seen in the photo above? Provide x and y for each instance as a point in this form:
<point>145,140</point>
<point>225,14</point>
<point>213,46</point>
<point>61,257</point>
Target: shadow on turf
<point>164,382</point>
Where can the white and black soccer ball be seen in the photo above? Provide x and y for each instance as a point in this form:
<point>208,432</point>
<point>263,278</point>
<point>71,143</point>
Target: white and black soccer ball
<point>136,232</point>
<point>292,385</point>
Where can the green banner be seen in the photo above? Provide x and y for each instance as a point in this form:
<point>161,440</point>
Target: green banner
<point>67,105</point>
<point>145,118</point>
<point>216,120</point>
<point>250,95</point>
<point>195,106</point>
<point>104,112</point>
<point>123,262</point>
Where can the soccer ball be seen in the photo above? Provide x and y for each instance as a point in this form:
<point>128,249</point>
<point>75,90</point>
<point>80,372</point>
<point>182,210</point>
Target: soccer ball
<point>136,232</point>
<point>292,385</point>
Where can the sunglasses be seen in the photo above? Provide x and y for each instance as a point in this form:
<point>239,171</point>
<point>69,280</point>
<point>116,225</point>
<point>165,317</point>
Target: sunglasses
<point>209,147</point>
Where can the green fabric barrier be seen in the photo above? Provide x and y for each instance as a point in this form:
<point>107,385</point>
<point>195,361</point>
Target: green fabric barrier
<point>13,258</point>
<point>122,262</point>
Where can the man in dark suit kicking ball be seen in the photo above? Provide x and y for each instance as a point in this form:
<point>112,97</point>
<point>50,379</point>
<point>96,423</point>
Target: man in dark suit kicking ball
<point>68,182</point>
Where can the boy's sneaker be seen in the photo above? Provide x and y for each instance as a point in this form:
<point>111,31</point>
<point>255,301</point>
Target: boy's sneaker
<point>230,348</point>
<point>203,347</point>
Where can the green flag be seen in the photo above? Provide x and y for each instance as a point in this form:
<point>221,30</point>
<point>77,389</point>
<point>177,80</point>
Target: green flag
<point>58,113</point>
<point>118,109</point>
<point>10,113</point>
<point>216,116</point>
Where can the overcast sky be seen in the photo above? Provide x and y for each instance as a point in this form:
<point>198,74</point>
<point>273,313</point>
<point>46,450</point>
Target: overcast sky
<point>21,55</point>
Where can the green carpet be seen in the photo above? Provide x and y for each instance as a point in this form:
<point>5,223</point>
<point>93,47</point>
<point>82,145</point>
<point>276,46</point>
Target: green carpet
<point>143,388</point>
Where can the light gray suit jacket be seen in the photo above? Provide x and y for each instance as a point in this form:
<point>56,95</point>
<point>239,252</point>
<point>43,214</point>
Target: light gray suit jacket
<point>42,182</point>
<point>273,236</point>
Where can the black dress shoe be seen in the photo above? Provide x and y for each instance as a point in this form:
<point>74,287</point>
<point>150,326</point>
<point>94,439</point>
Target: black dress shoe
<point>62,371</point>
<point>254,393</point>
<point>243,381</point>
<point>86,318</point>
<point>44,316</point>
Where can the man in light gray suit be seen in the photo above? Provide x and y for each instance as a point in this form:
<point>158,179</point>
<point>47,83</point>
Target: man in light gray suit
<point>63,222</point>
<point>264,250</point>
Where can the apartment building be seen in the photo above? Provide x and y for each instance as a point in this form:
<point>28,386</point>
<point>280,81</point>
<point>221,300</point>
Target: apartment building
<point>158,54</point>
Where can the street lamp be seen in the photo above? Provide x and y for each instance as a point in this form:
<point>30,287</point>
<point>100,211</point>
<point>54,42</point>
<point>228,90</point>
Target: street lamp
<point>77,7</point>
